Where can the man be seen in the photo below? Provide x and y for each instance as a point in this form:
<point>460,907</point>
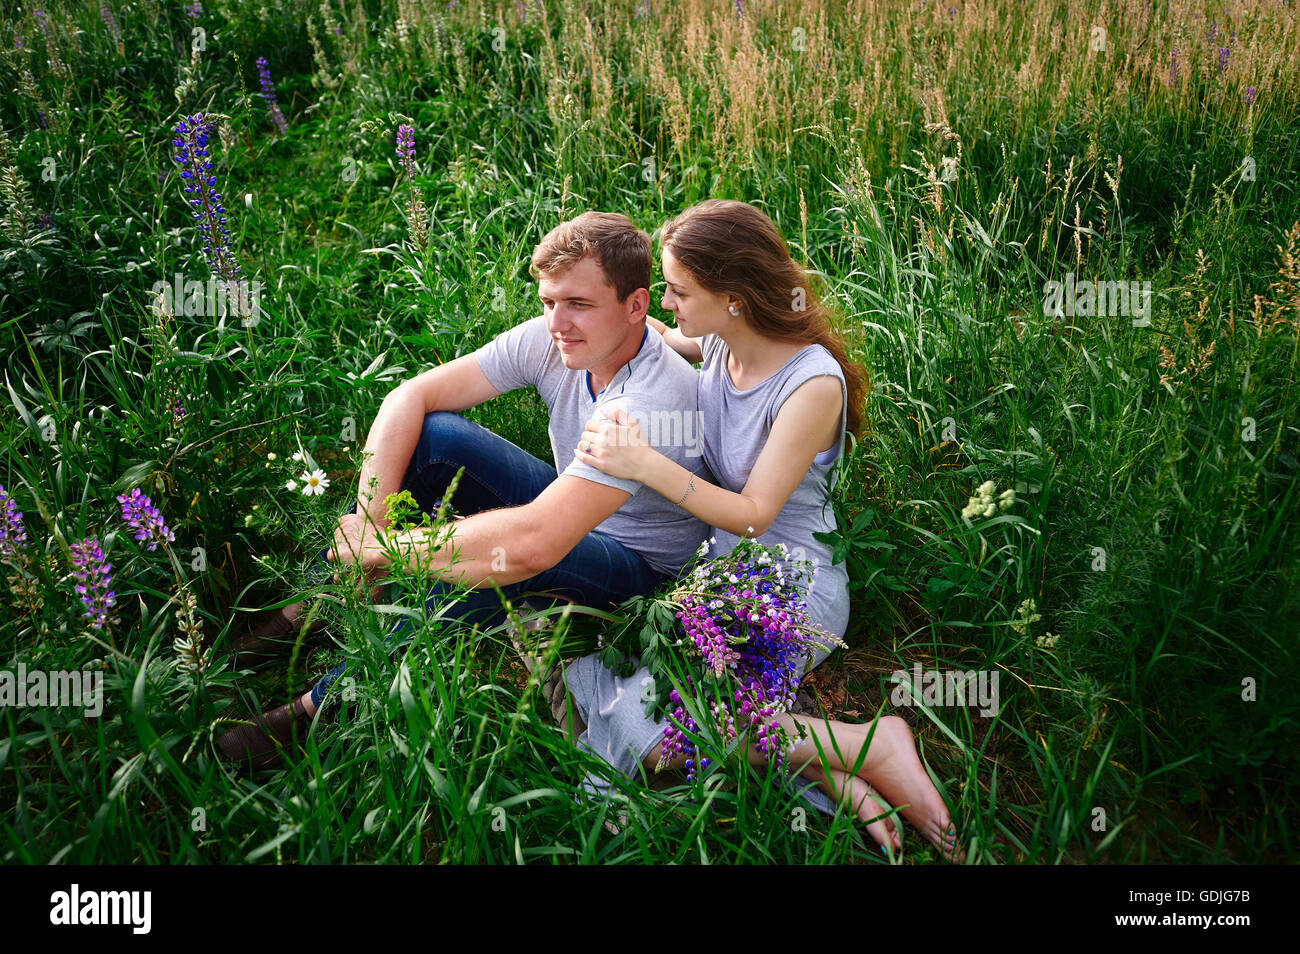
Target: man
<point>569,529</point>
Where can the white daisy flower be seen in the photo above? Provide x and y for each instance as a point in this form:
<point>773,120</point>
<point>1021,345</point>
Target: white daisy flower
<point>314,483</point>
<point>291,486</point>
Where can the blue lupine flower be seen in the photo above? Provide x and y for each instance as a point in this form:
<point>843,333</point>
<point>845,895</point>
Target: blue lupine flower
<point>12,533</point>
<point>209,213</point>
<point>268,93</point>
<point>746,617</point>
<point>94,577</point>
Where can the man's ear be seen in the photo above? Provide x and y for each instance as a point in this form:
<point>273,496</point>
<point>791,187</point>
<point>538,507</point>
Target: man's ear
<point>638,305</point>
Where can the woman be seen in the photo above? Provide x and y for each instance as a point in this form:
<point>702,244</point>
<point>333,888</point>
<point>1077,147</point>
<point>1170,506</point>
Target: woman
<point>777,393</point>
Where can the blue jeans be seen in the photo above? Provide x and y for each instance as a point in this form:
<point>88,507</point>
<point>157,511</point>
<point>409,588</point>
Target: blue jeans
<point>598,572</point>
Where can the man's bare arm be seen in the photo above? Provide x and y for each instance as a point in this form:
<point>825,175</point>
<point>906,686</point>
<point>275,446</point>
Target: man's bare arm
<point>393,437</point>
<point>515,543</point>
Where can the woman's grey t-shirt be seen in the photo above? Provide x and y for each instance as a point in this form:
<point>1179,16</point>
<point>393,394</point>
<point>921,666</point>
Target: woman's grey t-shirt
<point>656,388</point>
<point>736,427</point>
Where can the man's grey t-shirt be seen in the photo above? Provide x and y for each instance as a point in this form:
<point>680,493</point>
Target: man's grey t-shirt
<point>657,388</point>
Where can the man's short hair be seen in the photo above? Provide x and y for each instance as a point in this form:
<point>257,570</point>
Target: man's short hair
<point>620,248</point>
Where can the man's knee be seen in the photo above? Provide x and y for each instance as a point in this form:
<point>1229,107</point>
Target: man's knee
<point>447,435</point>
<point>449,441</point>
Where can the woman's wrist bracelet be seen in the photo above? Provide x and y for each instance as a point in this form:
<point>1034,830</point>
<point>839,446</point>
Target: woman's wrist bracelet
<point>689,488</point>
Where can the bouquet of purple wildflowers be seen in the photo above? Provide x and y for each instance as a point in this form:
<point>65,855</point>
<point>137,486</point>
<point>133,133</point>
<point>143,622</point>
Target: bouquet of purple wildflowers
<point>738,626</point>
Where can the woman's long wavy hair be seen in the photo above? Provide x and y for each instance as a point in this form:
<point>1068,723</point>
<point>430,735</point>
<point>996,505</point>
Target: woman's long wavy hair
<point>732,248</point>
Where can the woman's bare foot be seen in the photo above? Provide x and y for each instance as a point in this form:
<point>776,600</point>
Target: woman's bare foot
<point>893,767</point>
<point>855,791</point>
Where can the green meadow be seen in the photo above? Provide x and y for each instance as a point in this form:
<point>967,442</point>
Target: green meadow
<point>938,166</point>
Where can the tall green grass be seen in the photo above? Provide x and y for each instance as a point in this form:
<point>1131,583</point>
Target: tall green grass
<point>528,114</point>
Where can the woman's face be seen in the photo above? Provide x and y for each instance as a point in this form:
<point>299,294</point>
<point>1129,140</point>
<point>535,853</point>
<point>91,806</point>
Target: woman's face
<point>696,311</point>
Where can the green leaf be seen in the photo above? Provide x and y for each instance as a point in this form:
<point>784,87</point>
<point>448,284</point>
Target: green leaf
<point>23,412</point>
<point>938,585</point>
<point>864,519</point>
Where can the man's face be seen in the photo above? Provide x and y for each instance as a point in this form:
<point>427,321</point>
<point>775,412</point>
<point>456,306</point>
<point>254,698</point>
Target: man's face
<point>586,320</point>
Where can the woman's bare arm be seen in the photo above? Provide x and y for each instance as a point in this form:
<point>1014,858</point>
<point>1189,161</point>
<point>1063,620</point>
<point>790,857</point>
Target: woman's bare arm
<point>805,425</point>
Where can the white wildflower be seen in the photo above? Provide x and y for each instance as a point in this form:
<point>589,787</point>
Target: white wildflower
<point>314,483</point>
<point>1028,613</point>
<point>984,504</point>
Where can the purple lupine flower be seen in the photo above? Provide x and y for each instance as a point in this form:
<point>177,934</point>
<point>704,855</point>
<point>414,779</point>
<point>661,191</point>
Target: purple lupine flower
<point>1223,58</point>
<point>107,16</point>
<point>178,412</point>
<point>209,213</point>
<point>268,93</point>
<point>19,42</point>
<point>746,617</point>
<point>12,533</point>
<point>44,222</point>
<point>406,147</point>
<point>94,577</point>
<point>1249,96</point>
<point>143,517</point>
<point>416,214</point>
<point>194,10</point>
<point>51,43</point>
<point>1173,66</point>
<point>740,9</point>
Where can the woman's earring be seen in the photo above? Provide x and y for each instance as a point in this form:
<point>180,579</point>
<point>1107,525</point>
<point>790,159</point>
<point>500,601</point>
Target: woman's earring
<point>732,309</point>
